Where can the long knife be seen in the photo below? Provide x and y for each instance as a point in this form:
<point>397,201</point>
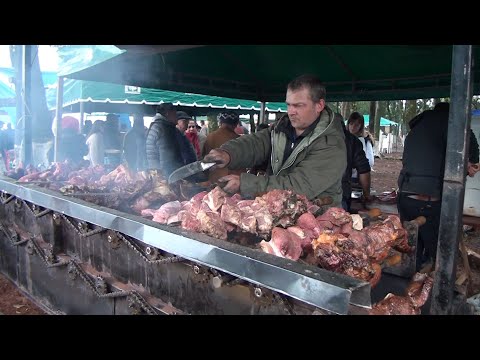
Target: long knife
<point>189,170</point>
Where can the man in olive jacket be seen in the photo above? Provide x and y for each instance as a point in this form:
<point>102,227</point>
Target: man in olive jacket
<point>305,149</point>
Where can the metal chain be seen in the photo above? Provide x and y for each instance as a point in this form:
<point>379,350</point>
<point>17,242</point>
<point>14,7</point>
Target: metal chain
<point>77,269</point>
<point>67,220</point>
<point>93,232</point>
<point>285,302</point>
<point>234,282</point>
<point>137,249</point>
<point>11,237</point>
<point>37,215</point>
<point>74,267</point>
<point>7,200</point>
<point>44,257</point>
<point>42,213</point>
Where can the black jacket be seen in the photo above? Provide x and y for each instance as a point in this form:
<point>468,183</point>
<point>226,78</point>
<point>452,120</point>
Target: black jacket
<point>167,148</point>
<point>356,159</point>
<point>134,149</point>
<point>72,146</point>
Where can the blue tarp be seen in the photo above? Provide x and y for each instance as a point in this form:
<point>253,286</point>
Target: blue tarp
<point>383,121</point>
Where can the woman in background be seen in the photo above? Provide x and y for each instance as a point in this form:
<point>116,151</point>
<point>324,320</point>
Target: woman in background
<point>95,143</point>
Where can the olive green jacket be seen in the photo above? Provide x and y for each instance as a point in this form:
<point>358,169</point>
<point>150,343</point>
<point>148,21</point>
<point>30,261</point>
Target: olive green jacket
<point>314,168</point>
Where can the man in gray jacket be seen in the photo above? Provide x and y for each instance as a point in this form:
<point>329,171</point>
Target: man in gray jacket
<point>305,149</point>
<point>167,148</point>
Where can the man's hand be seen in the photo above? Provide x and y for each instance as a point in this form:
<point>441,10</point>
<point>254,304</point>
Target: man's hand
<point>222,158</point>
<point>367,198</point>
<point>473,169</point>
<point>232,183</point>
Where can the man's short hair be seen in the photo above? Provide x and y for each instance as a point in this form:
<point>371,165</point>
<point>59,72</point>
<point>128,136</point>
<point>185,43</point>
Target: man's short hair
<point>312,83</point>
<point>228,117</point>
<point>164,108</point>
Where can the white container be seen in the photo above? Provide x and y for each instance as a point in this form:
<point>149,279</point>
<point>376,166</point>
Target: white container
<point>471,205</point>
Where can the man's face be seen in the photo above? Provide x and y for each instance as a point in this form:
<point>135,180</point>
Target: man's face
<point>301,110</point>
<point>182,125</point>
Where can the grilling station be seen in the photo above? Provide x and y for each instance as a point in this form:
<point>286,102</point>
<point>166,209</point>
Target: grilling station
<point>76,257</point>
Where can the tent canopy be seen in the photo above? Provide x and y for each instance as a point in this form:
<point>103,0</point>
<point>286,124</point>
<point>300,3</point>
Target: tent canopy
<point>262,72</point>
<point>97,92</point>
<point>383,121</point>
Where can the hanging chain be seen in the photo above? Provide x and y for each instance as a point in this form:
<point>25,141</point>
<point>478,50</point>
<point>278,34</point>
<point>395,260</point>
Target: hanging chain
<point>48,257</point>
<point>99,287</point>
<point>137,249</point>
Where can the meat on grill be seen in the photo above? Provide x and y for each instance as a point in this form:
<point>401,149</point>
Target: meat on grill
<point>416,296</point>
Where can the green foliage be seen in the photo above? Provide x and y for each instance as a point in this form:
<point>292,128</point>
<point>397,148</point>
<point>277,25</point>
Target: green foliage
<point>212,122</point>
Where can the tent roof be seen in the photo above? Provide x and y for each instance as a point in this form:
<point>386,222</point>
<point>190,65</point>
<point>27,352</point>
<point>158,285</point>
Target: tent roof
<point>261,72</point>
<point>97,92</point>
<point>383,121</point>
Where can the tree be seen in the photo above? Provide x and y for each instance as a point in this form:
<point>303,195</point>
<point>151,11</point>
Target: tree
<point>372,112</point>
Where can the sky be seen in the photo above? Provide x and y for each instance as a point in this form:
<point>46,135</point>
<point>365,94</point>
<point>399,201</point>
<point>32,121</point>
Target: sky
<point>47,56</point>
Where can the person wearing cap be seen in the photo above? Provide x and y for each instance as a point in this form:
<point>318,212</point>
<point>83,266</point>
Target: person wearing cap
<point>228,122</point>
<point>420,182</point>
<point>182,121</point>
<point>188,127</point>
<point>306,149</point>
<point>167,148</point>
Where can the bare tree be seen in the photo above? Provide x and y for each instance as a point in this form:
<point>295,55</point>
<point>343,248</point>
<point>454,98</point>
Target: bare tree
<point>372,112</point>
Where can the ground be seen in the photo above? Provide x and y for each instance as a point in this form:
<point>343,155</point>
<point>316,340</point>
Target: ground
<point>13,302</point>
<point>385,173</point>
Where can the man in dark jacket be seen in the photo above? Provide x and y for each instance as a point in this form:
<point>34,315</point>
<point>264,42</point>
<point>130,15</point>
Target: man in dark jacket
<point>306,149</point>
<point>356,159</point>
<point>421,179</point>
<point>134,145</point>
<point>167,148</point>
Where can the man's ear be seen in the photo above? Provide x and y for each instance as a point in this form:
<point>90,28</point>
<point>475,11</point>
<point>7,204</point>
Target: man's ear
<point>319,106</point>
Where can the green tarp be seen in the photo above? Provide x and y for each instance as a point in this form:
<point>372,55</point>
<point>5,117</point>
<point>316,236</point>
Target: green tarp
<point>383,121</point>
<point>75,91</point>
<point>262,72</point>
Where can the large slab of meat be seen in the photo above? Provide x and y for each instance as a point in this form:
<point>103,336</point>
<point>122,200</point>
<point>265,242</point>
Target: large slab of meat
<point>334,240</point>
<point>416,296</point>
<point>215,213</point>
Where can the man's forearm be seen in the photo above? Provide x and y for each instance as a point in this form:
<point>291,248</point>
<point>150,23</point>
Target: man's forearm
<point>365,182</point>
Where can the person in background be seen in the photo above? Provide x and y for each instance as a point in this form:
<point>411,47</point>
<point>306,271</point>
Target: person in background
<point>306,147</point>
<point>95,143</point>
<point>356,126</point>
<point>112,140</point>
<point>167,147</point>
<point>262,126</point>
<point>192,136</point>
<point>204,130</point>
<point>182,121</point>
<point>71,146</point>
<point>227,122</point>
<point>111,135</point>
<point>201,139</point>
<point>420,181</point>
<point>87,127</point>
<point>357,160</point>
<point>239,130</point>
<point>134,145</point>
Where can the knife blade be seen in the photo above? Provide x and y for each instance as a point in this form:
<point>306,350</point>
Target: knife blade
<point>189,170</point>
